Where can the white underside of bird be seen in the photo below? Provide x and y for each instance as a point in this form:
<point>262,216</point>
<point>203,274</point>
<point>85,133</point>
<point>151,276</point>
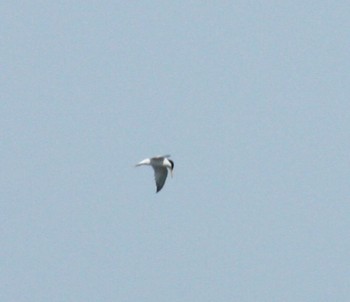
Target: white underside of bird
<point>160,165</point>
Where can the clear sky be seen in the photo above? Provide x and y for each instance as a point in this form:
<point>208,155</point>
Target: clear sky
<point>251,99</point>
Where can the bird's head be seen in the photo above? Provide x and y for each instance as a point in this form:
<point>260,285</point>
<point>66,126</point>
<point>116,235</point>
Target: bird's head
<point>171,167</point>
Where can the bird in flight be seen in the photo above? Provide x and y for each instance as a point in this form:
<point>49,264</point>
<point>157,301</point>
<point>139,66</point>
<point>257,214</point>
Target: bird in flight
<point>160,165</point>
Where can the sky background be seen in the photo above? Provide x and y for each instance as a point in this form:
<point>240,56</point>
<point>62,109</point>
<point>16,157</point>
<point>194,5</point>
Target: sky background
<point>251,99</point>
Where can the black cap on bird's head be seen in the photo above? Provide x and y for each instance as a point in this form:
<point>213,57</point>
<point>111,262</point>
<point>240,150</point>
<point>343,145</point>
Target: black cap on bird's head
<point>172,167</point>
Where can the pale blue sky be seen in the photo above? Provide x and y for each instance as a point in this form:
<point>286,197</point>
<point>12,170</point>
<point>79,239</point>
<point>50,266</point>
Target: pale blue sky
<point>251,99</point>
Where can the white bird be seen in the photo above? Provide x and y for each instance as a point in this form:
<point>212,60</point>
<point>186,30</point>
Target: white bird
<point>160,165</point>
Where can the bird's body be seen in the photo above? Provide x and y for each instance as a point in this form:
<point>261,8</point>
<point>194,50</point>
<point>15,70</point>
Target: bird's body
<point>160,165</point>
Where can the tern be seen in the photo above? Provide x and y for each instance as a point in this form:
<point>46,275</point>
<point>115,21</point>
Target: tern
<point>160,165</point>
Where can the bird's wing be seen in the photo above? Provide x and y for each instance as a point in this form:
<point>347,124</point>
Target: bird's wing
<point>160,174</point>
<point>146,161</point>
<point>162,156</point>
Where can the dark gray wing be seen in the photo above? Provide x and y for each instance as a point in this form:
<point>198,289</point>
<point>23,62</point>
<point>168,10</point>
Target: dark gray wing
<point>160,174</point>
